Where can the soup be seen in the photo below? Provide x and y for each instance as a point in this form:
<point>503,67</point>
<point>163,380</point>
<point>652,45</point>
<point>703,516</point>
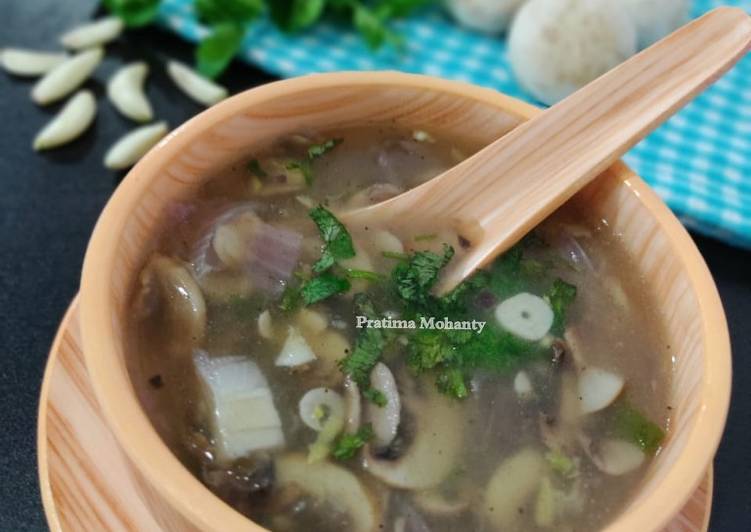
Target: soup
<point>309,375</point>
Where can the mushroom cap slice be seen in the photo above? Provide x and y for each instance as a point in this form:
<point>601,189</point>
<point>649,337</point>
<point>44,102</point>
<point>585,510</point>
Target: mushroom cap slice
<point>384,419</point>
<point>512,484</point>
<point>169,291</point>
<point>335,485</point>
<point>434,450</point>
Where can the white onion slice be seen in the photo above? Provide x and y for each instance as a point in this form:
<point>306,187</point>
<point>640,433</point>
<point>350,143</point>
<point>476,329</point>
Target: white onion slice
<point>125,91</point>
<point>132,146</point>
<point>598,388</point>
<point>265,325</point>
<point>29,62</point>
<point>526,316</point>
<point>295,351</point>
<point>94,33</point>
<point>319,405</point>
<point>66,77</point>
<point>617,457</point>
<point>200,89</point>
<point>72,120</point>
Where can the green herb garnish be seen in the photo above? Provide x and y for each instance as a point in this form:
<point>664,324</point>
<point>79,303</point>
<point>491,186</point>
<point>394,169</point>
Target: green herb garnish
<point>414,278</point>
<point>317,150</point>
<point>304,168</point>
<point>630,424</point>
<point>560,297</point>
<point>347,445</point>
<point>364,274</point>
<point>322,287</point>
<point>254,167</point>
<point>395,255</point>
<point>561,464</point>
<point>369,345</point>
<point>337,242</point>
<point>376,397</point>
<point>134,13</point>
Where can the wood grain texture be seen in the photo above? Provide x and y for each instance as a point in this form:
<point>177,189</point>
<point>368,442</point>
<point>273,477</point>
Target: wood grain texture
<point>502,192</point>
<point>86,481</point>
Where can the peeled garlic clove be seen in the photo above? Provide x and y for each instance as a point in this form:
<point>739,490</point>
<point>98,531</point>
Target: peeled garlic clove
<point>70,122</point>
<point>598,388</point>
<point>525,315</point>
<point>93,34</point>
<point>616,457</point>
<point>66,77</point>
<point>125,91</point>
<point>194,85</point>
<point>29,62</point>
<point>132,146</point>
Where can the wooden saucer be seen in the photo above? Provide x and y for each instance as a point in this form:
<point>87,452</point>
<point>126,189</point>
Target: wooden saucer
<point>83,478</point>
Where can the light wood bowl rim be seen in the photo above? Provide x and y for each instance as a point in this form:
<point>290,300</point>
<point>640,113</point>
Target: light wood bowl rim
<point>186,494</point>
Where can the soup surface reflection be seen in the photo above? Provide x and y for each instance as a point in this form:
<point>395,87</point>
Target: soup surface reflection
<point>307,374</point>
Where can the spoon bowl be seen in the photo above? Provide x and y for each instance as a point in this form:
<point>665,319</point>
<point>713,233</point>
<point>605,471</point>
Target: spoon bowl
<point>494,198</point>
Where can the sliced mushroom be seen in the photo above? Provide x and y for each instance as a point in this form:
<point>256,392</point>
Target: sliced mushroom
<point>295,352</point>
<point>243,416</point>
<point>200,89</point>
<point>132,146</point>
<point>384,419</point>
<point>333,485</point>
<point>169,292</point>
<point>511,486</point>
<point>598,388</point>
<point>22,62</point>
<point>330,347</point>
<point>94,33</point>
<point>318,405</point>
<point>72,120</point>
<point>435,503</point>
<point>613,457</point>
<point>66,77</point>
<point>434,449</point>
<point>525,315</point>
<point>125,91</point>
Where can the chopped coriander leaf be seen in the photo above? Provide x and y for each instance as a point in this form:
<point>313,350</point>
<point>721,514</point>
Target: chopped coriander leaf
<point>364,274</point>
<point>347,446</point>
<point>560,297</point>
<point>561,464</point>
<point>323,287</point>
<point>295,15</point>
<point>291,298</point>
<point>317,150</point>
<point>395,255</point>
<point>633,426</point>
<point>254,167</point>
<point>336,239</point>
<point>414,279</point>
<point>304,168</point>
<point>376,397</point>
<point>452,382</point>
<point>216,51</point>
<point>134,13</point>
<point>369,345</point>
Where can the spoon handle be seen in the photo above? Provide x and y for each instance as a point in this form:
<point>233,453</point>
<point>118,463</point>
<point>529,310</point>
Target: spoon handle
<point>501,193</point>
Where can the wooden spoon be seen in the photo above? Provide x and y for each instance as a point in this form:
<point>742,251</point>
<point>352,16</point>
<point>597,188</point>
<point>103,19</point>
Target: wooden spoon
<point>498,195</point>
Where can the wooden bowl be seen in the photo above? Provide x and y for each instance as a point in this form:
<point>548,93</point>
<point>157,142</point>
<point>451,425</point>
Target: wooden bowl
<point>124,237</point>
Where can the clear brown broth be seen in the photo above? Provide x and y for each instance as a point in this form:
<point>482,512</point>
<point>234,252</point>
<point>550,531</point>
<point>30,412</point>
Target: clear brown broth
<point>617,321</point>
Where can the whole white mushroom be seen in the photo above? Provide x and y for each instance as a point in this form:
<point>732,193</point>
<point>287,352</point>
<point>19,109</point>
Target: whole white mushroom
<point>655,19</point>
<point>558,46</point>
<point>487,16</point>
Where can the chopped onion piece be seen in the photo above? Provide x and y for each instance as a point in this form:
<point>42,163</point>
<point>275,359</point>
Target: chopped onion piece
<point>265,326</point>
<point>525,315</point>
<point>295,351</point>
<point>243,416</point>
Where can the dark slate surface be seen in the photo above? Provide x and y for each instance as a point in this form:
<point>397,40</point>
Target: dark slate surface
<point>48,207</point>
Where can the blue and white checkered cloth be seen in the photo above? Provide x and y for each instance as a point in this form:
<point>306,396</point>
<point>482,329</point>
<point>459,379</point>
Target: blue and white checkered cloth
<point>699,162</point>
